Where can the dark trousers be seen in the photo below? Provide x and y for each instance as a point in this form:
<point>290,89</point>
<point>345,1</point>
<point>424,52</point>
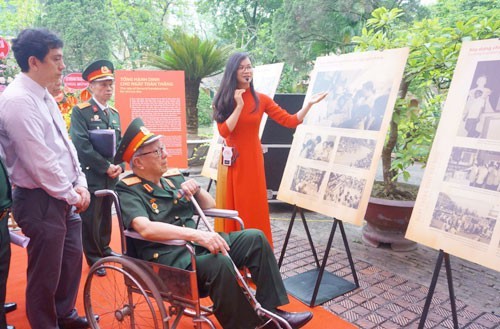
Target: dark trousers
<point>54,255</point>
<point>4,265</point>
<point>250,249</point>
<point>96,229</point>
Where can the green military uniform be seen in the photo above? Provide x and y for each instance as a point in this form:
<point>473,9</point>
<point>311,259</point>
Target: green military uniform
<point>96,220</point>
<point>249,248</point>
<point>5,204</point>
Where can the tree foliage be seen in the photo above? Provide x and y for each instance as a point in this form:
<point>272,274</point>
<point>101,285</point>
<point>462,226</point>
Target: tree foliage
<point>17,15</point>
<point>119,30</point>
<point>434,45</point>
<point>246,24</point>
<point>198,59</point>
<point>84,28</point>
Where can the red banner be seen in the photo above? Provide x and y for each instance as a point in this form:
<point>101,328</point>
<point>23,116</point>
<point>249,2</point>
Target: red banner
<point>4,48</point>
<point>75,81</point>
<point>158,98</point>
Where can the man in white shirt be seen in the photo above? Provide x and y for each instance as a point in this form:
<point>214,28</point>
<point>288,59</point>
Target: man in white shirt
<point>50,187</point>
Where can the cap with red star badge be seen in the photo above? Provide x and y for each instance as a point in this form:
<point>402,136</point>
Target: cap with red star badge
<point>99,71</point>
<point>134,137</point>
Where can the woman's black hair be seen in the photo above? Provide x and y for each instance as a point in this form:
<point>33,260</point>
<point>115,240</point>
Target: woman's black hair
<point>224,102</point>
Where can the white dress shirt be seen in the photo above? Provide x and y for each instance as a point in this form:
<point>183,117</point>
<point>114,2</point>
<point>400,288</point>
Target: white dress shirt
<point>38,152</point>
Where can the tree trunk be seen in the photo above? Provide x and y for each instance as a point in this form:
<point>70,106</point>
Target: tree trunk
<point>192,93</point>
<point>389,174</point>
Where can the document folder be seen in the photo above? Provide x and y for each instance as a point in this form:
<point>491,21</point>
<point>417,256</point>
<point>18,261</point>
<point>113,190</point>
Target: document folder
<point>103,141</point>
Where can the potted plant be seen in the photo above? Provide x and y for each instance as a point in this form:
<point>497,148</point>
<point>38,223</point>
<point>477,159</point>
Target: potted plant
<point>434,47</point>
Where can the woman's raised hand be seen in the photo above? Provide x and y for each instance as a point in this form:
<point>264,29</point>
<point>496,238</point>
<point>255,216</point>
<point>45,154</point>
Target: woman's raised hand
<point>318,97</point>
<point>238,97</point>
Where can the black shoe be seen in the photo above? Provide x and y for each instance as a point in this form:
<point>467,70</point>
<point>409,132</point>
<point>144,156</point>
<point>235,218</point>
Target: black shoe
<point>9,307</point>
<point>101,271</point>
<point>75,323</point>
<point>295,319</point>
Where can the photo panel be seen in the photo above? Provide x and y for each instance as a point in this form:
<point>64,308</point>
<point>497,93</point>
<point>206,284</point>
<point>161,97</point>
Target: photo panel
<point>458,205</point>
<point>342,136</point>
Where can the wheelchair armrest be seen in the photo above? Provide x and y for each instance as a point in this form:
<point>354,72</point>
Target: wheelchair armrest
<point>135,235</point>
<point>226,213</point>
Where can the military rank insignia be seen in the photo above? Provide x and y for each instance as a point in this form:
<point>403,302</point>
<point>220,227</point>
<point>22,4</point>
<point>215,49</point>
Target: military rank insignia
<point>148,188</point>
<point>169,182</point>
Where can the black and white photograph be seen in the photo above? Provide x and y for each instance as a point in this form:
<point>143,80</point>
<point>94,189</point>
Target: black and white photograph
<point>461,178</point>
<point>481,115</point>
<point>317,147</point>
<point>307,180</point>
<point>345,190</point>
<point>467,218</point>
<point>214,161</point>
<point>362,90</point>
<point>352,102</point>
<point>355,152</point>
<point>475,168</point>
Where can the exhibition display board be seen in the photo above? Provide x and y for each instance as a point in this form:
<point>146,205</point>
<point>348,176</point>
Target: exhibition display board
<point>158,97</point>
<point>334,155</point>
<point>458,205</point>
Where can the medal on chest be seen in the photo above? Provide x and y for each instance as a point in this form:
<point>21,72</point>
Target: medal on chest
<point>154,206</point>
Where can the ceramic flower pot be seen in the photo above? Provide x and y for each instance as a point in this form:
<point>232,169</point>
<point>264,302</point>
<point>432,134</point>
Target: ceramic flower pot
<point>386,222</point>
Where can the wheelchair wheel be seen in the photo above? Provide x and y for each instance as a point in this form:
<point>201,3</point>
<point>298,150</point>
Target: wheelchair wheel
<point>125,297</point>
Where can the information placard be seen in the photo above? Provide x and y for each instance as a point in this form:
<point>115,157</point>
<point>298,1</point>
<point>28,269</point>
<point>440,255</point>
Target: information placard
<point>158,97</point>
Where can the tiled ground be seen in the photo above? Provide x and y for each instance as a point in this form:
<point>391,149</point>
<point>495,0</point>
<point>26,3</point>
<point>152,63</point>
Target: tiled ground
<point>384,299</point>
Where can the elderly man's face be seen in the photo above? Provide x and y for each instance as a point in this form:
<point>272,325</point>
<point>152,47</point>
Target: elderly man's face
<point>153,158</point>
<point>102,90</point>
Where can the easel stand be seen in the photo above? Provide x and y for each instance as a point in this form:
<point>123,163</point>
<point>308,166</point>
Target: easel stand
<point>442,255</point>
<point>209,184</point>
<point>326,285</point>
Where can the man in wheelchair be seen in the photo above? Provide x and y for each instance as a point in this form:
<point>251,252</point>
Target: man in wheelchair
<point>156,204</point>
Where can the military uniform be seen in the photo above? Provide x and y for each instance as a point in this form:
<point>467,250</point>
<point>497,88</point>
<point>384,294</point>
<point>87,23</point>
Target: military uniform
<point>249,248</point>
<point>86,117</point>
<point>5,204</point>
<point>96,230</point>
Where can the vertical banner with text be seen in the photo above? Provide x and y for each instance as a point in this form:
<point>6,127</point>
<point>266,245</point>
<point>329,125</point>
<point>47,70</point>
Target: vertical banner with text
<point>158,97</point>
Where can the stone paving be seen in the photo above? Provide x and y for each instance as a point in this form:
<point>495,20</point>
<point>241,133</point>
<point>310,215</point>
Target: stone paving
<point>393,285</point>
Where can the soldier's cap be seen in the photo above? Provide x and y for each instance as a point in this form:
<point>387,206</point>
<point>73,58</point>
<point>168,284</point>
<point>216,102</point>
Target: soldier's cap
<point>99,71</point>
<point>134,137</point>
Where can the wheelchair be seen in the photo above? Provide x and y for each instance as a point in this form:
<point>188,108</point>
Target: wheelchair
<point>136,293</point>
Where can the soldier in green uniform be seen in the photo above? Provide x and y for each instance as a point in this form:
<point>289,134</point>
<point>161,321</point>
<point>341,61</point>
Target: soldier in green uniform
<point>98,167</point>
<point>155,202</point>
<point>5,204</point>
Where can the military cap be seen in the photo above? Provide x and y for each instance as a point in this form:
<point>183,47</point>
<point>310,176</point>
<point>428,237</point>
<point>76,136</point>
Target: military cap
<point>98,71</point>
<point>134,137</point>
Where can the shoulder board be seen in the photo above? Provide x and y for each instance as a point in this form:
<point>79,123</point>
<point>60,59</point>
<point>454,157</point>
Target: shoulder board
<point>113,109</point>
<point>129,181</point>
<point>172,172</point>
<point>83,105</point>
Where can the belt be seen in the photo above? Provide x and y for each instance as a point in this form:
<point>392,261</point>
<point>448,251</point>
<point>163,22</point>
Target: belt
<point>4,213</point>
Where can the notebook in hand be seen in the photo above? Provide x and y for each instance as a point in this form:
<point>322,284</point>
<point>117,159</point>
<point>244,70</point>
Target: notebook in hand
<point>103,141</point>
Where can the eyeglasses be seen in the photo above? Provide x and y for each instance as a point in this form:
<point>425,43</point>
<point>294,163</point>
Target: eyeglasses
<point>159,151</point>
<point>245,68</point>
